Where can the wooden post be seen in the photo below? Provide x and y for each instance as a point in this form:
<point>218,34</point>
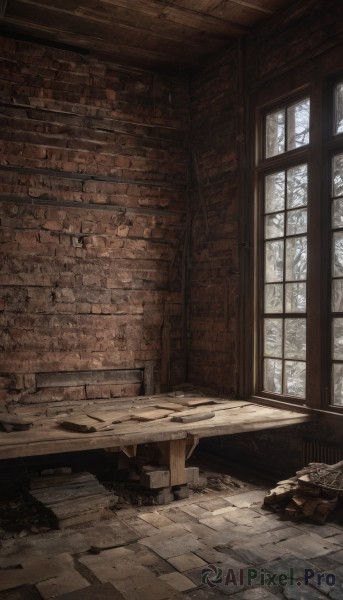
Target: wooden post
<point>173,455</point>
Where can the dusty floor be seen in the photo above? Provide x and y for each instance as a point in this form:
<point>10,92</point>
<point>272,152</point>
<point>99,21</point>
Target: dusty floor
<point>209,545</point>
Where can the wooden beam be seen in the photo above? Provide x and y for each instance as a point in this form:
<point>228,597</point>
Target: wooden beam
<point>76,378</point>
<point>3,7</point>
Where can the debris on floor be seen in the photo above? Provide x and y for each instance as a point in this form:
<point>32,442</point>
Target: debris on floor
<point>313,493</point>
<point>73,498</point>
<point>23,592</point>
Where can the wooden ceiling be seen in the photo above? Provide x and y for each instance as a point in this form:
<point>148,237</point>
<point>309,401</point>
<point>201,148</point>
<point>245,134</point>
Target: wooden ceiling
<point>146,33</point>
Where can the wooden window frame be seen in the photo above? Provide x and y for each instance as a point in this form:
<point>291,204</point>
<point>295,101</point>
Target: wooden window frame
<point>316,80</point>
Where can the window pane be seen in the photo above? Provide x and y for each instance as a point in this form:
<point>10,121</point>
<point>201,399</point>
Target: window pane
<point>296,259</point>
<point>273,337</point>
<point>337,377</point>
<point>337,335</point>
<point>295,338</point>
<point>272,375</point>
<point>273,298</point>
<point>298,124</point>
<point>275,133</point>
<point>295,378</point>
<point>295,297</point>
<point>274,261</point>
<point>339,108</point>
<point>337,295</point>
<point>337,175</point>
<point>274,225</point>
<point>275,192</point>
<point>337,213</point>
<point>297,186</point>
<point>338,254</point>
<point>297,221</point>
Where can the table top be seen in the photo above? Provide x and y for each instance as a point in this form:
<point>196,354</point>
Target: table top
<point>122,422</point>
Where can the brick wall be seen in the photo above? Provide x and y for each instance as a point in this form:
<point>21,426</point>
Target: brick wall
<point>292,38</point>
<point>213,273</point>
<point>93,169</point>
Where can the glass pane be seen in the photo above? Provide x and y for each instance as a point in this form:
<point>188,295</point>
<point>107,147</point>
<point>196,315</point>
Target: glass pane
<point>297,221</point>
<point>295,338</point>
<point>295,297</point>
<point>272,379</point>
<point>275,192</point>
<point>297,186</point>
<point>337,175</point>
<point>298,124</point>
<point>337,213</point>
<point>337,334</point>
<point>274,225</point>
<point>273,337</point>
<point>337,387</point>
<point>295,378</point>
<point>296,259</point>
<point>338,254</point>
<point>273,298</point>
<point>339,108</point>
<point>337,295</point>
<point>275,133</point>
<point>274,261</point>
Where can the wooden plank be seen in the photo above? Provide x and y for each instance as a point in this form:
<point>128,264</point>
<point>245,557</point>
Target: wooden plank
<point>172,406</point>
<point>71,496</point>
<point>126,26</point>
<point>151,415</point>
<point>85,424</point>
<point>75,378</point>
<point>192,418</point>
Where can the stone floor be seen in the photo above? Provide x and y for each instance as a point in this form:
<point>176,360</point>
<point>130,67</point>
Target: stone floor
<point>207,546</point>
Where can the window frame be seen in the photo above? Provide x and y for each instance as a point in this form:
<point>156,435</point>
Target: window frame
<point>316,80</point>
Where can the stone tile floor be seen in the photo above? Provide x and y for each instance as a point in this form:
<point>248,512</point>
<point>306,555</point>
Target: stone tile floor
<point>204,547</point>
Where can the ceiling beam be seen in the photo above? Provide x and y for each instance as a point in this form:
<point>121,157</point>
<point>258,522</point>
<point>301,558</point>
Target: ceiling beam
<point>3,7</point>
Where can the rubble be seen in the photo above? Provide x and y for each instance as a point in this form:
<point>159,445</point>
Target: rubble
<point>313,493</point>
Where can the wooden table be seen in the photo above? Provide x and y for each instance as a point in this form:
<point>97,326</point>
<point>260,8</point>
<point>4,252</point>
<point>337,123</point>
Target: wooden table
<point>176,440</point>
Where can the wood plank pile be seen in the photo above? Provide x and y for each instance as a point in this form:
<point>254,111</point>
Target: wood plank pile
<point>73,498</point>
<point>313,493</point>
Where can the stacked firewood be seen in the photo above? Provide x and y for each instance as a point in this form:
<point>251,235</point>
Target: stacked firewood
<point>313,492</point>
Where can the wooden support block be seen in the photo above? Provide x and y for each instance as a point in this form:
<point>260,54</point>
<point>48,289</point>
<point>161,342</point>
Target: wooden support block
<point>164,496</point>
<point>192,474</point>
<point>153,478</point>
<point>181,492</point>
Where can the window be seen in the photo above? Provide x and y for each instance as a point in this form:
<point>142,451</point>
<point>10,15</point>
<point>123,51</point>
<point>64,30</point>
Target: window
<point>298,354</point>
<point>285,197</point>
<point>337,255</point>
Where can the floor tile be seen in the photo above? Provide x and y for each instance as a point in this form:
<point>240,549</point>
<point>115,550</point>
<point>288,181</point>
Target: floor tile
<point>68,582</point>
<point>96,591</point>
<point>308,546</point>
<point>178,581</point>
<point>185,562</point>
<point>246,499</point>
<point>155,519</point>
